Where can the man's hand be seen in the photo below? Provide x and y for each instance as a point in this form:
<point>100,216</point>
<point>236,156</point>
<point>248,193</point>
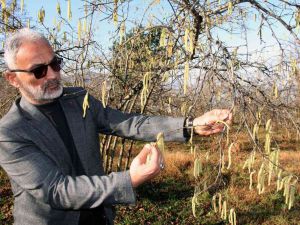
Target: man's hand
<point>142,169</point>
<point>208,124</point>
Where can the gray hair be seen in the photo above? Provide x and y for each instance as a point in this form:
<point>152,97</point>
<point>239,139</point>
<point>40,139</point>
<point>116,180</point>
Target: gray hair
<point>15,41</point>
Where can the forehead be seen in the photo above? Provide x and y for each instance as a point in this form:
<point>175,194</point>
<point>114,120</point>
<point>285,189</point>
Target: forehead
<point>34,52</point>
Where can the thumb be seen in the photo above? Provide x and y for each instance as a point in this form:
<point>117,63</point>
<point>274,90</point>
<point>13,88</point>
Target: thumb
<point>144,152</point>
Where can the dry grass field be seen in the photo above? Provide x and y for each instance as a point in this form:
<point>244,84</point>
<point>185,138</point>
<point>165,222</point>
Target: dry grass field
<point>167,199</point>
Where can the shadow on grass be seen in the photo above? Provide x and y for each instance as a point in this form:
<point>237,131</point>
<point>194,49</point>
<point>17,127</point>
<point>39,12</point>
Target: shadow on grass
<point>166,190</point>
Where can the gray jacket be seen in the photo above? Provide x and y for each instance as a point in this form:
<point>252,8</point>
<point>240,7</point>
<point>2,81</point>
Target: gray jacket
<point>46,191</point>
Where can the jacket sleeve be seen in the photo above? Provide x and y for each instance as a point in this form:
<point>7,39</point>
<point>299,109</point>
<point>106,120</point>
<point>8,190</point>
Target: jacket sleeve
<point>35,172</point>
<point>136,126</point>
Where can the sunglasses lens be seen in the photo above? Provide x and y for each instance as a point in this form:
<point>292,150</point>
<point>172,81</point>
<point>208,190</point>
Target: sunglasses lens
<point>40,71</point>
<point>56,64</point>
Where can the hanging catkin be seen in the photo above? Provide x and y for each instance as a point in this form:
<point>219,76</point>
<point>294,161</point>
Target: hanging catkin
<point>194,205</point>
<point>79,31</point>
<point>197,167</point>
<point>115,13</point>
<point>286,192</point>
<point>145,90</point>
<point>213,202</point>
<point>229,156</point>
<point>251,179</point>
<point>279,178</point>
<point>58,10</point>
<point>230,6</point>
<point>162,40</point>
<point>160,141</point>
<point>85,104</point>
<point>291,199</point>
<point>224,210</point>
<point>232,217</point>
<point>69,10</point>
<point>268,137</point>
<point>122,31</point>
<point>220,202</point>
<point>255,132</point>
<point>103,94</point>
<point>261,179</point>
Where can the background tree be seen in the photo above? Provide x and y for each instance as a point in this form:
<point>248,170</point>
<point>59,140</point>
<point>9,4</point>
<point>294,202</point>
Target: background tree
<point>182,58</point>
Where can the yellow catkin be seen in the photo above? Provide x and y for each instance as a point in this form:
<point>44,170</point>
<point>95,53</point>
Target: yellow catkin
<point>186,77</point>
<point>170,46</point>
<point>246,164</point>
<point>170,105</point>
<point>255,132</point>
<point>220,202</point>
<point>207,156</point>
<point>224,211</point>
<point>162,40</point>
<point>3,5</point>
<point>286,192</point>
<point>186,39</point>
<point>122,31</point>
<point>227,130</point>
<point>261,179</point>
<point>230,6</point>
<point>28,23</point>
<point>229,156</point>
<point>214,204</point>
<point>41,15</point>
<point>85,104</point>
<point>293,190</point>
<point>115,13</point>
<point>13,5</point>
<point>103,94</point>
<point>196,171</point>
<point>69,10</point>
<point>251,179</point>
<point>194,205</point>
<point>79,31</point>
<point>278,180</point>
<point>232,217</point>
<point>145,90</point>
<point>297,18</point>
<point>275,91</point>
<point>160,141</point>
<point>268,137</point>
<point>58,10</point>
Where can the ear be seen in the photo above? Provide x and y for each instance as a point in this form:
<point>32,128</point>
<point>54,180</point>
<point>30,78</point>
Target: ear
<point>11,77</point>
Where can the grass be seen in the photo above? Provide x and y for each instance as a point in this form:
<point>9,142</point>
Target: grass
<point>167,198</point>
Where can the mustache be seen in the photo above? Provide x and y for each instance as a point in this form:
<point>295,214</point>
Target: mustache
<point>52,82</point>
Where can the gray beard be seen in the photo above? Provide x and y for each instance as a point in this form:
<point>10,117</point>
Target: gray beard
<point>42,93</point>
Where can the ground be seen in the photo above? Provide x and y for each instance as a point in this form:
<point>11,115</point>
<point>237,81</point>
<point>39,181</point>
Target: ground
<point>168,198</point>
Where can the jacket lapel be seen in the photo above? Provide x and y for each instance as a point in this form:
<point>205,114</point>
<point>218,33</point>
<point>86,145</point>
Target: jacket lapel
<point>55,147</point>
<point>77,127</point>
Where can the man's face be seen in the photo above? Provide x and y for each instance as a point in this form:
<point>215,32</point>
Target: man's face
<point>36,91</point>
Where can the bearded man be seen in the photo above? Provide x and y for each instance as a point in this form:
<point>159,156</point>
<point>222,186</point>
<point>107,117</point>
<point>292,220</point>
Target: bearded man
<point>51,153</point>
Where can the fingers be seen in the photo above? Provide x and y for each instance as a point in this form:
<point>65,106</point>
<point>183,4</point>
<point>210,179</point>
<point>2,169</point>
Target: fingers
<point>208,124</point>
<point>142,170</point>
<point>142,156</point>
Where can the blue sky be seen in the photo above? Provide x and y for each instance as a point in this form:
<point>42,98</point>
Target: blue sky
<point>105,29</point>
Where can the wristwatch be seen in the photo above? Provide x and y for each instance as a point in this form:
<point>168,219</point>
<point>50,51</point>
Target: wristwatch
<point>188,126</point>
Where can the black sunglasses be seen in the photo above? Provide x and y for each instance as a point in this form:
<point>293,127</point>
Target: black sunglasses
<point>41,70</point>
